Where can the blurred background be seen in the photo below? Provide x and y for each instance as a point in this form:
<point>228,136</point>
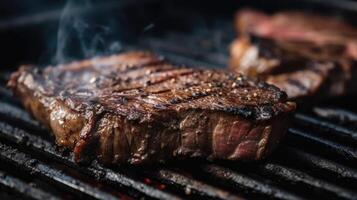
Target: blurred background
<point>49,32</point>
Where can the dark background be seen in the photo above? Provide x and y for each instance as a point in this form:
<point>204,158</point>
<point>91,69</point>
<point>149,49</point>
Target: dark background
<point>28,29</point>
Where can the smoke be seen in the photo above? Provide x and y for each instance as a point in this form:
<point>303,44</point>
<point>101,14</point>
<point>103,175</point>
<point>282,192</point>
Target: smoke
<point>82,36</point>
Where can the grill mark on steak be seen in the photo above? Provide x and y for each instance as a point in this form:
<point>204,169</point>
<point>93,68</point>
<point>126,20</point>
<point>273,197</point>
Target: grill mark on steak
<point>141,72</point>
<point>194,96</point>
<point>298,84</point>
<point>109,113</point>
<point>167,77</point>
<point>306,55</point>
<point>142,84</point>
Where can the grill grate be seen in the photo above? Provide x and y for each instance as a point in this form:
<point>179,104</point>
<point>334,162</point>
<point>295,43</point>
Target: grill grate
<point>327,129</point>
<point>17,185</point>
<point>45,148</point>
<point>317,160</point>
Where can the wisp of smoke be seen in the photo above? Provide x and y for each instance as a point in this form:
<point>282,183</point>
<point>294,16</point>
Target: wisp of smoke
<point>79,36</point>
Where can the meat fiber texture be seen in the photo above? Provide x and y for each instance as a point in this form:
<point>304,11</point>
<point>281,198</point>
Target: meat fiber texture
<point>306,55</point>
<point>137,107</point>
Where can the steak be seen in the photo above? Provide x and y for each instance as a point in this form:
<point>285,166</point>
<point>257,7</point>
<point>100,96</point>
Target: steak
<point>305,55</point>
<point>139,108</point>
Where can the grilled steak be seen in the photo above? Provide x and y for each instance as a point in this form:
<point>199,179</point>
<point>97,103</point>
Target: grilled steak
<point>304,55</point>
<point>138,108</point>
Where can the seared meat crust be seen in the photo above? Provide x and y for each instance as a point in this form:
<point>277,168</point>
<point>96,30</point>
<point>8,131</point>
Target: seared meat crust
<point>138,108</point>
<point>303,54</point>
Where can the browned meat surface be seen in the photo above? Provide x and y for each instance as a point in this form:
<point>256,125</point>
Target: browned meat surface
<point>298,26</point>
<point>138,108</point>
<point>303,54</point>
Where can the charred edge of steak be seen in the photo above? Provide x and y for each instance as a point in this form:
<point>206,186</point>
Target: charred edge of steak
<point>260,56</point>
<point>321,31</point>
<point>303,54</point>
<point>93,128</point>
<point>293,67</point>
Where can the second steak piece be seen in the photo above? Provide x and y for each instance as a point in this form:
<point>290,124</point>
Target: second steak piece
<point>138,108</point>
<point>305,55</point>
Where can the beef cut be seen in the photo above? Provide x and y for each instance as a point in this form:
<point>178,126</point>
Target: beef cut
<point>303,54</point>
<point>139,108</point>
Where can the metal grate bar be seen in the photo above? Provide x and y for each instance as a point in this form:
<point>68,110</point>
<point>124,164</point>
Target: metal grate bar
<point>339,115</point>
<point>16,115</point>
<point>96,171</point>
<point>324,167</point>
<point>24,189</point>
<point>328,148</point>
<point>191,186</point>
<point>293,179</point>
<point>297,177</point>
<point>36,167</point>
<point>327,129</point>
<point>243,182</point>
